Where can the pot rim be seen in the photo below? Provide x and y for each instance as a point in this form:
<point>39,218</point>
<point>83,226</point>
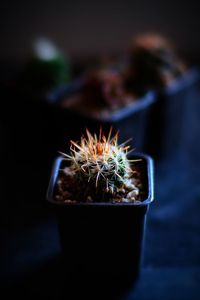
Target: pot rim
<point>191,76</point>
<point>140,104</point>
<point>73,87</point>
<point>150,183</point>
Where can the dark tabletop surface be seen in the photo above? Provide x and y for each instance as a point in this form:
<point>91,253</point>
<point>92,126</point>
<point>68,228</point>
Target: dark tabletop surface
<point>31,264</point>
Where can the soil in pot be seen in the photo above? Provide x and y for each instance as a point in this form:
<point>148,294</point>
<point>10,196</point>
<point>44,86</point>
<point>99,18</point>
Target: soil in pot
<point>68,191</point>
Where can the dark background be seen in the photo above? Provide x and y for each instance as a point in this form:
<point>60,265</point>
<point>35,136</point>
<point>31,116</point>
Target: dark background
<point>29,237</point>
<point>84,28</point>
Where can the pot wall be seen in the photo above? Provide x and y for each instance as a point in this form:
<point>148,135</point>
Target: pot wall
<point>173,117</point>
<point>103,237</point>
<point>131,122</point>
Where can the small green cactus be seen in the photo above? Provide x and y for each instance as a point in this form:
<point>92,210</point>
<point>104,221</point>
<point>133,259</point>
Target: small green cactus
<point>47,67</point>
<point>101,167</point>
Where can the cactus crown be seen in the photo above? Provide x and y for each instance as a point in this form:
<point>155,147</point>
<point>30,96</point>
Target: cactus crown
<point>100,161</point>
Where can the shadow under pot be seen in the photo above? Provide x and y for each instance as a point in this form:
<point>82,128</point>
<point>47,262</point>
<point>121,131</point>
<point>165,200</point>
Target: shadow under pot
<point>130,120</point>
<point>174,118</point>
<point>103,237</point>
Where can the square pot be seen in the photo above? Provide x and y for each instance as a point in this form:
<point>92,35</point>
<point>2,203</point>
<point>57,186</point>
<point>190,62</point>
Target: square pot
<point>172,116</point>
<point>103,237</point>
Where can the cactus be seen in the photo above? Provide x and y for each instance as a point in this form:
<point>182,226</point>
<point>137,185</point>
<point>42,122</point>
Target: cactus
<point>103,92</point>
<point>47,67</point>
<point>102,168</point>
<point>154,62</point>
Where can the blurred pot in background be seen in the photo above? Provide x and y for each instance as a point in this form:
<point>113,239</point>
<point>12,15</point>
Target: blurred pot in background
<point>105,101</point>
<point>155,64</point>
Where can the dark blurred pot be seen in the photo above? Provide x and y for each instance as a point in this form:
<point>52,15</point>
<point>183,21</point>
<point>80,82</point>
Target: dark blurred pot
<point>131,121</point>
<point>103,237</point>
<point>173,117</point>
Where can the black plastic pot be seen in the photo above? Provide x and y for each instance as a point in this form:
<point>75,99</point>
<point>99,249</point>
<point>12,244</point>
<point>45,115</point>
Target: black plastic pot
<point>103,237</point>
<point>172,118</point>
<point>131,121</point>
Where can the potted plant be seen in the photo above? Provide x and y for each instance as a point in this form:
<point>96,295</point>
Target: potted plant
<point>104,100</point>
<point>155,64</point>
<point>101,197</point>
<point>32,109</point>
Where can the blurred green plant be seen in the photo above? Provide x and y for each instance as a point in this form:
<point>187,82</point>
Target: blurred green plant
<point>47,68</point>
